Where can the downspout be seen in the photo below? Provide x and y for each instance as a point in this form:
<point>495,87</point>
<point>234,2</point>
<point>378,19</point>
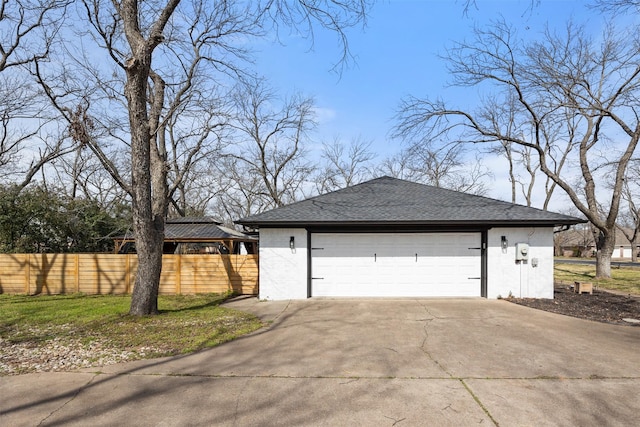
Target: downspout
<point>483,263</point>
<point>308,264</point>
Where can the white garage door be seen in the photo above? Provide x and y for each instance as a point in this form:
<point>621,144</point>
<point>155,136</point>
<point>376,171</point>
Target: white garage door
<point>395,264</point>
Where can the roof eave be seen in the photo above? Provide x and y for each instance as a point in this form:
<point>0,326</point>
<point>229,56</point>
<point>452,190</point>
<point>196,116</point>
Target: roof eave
<point>195,239</point>
<point>482,223</point>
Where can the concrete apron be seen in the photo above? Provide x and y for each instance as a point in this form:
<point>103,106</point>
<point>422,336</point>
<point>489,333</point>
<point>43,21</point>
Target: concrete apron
<point>362,362</point>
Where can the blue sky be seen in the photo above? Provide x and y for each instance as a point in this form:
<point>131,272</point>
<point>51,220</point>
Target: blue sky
<point>397,55</point>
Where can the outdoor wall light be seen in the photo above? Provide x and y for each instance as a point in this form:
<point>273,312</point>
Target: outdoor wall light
<point>292,242</point>
<point>505,242</point>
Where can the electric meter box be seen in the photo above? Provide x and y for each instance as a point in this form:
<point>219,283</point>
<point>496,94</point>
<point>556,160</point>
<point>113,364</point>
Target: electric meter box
<point>522,251</point>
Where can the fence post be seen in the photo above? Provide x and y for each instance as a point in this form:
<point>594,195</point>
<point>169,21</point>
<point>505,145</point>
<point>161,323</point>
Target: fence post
<point>127,274</point>
<point>27,273</point>
<point>77,272</point>
<point>178,285</point>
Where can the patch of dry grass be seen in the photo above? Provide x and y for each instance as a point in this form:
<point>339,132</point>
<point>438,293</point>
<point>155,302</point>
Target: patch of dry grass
<point>100,324</point>
<point>623,278</point>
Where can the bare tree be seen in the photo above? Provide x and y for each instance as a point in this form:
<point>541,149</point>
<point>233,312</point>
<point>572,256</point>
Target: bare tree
<point>266,166</point>
<point>629,221</point>
<point>239,192</point>
<point>165,56</point>
<point>441,165</point>
<point>520,158</point>
<point>145,121</point>
<point>617,6</point>
<point>28,30</point>
<point>195,137</point>
<point>81,175</point>
<point>469,5</point>
<point>630,217</point>
<point>595,84</point>
<point>28,141</point>
<point>271,136</point>
<point>344,166</point>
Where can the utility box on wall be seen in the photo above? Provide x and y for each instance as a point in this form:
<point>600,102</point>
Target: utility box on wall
<point>522,251</point>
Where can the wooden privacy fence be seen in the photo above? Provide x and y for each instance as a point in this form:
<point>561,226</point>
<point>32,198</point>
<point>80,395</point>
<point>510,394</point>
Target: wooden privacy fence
<point>98,274</point>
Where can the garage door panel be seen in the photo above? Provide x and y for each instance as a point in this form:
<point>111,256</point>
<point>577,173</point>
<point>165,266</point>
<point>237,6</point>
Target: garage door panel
<point>395,264</point>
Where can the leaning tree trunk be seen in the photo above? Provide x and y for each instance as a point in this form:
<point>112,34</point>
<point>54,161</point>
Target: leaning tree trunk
<point>605,243</point>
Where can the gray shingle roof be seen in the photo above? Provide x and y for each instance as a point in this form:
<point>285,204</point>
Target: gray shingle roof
<point>201,231</point>
<point>193,220</point>
<point>197,229</point>
<point>391,201</point>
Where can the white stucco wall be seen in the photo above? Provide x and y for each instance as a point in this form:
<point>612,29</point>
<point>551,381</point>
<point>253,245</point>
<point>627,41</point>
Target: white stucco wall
<point>283,272</point>
<point>506,276</point>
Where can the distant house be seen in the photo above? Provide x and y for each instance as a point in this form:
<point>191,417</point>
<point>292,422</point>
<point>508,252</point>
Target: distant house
<point>196,235</point>
<point>580,242</point>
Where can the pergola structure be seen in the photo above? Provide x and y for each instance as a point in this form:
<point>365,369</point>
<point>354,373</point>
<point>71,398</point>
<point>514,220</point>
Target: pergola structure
<point>195,235</point>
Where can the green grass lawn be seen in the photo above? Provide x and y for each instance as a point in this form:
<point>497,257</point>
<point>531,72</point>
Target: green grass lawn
<point>185,324</point>
<point>624,279</point>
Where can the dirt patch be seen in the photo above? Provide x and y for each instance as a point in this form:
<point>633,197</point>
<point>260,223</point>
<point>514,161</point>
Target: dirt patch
<point>602,306</point>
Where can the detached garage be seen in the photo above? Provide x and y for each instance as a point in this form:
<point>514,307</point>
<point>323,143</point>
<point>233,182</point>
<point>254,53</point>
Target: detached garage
<point>393,238</point>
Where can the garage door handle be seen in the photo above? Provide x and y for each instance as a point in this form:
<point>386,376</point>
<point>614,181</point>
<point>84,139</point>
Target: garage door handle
<point>474,278</point>
<point>317,278</point>
<point>416,257</point>
<point>375,257</point>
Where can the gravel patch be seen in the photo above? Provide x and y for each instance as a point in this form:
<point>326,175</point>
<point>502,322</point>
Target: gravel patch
<point>65,353</point>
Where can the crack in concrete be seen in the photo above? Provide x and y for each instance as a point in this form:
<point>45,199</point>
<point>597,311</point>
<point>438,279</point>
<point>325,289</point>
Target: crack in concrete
<point>424,349</point>
<point>349,379</point>
<point>450,407</point>
<point>479,402</point>
<point>282,312</point>
<point>383,377</point>
<point>235,411</point>
<point>423,346</point>
<point>71,399</point>
<point>395,421</point>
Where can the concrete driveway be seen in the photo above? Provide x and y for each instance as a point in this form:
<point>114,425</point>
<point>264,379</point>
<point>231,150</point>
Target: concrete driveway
<point>362,362</point>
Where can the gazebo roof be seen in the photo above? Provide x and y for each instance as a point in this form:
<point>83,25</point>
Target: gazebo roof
<point>197,229</point>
